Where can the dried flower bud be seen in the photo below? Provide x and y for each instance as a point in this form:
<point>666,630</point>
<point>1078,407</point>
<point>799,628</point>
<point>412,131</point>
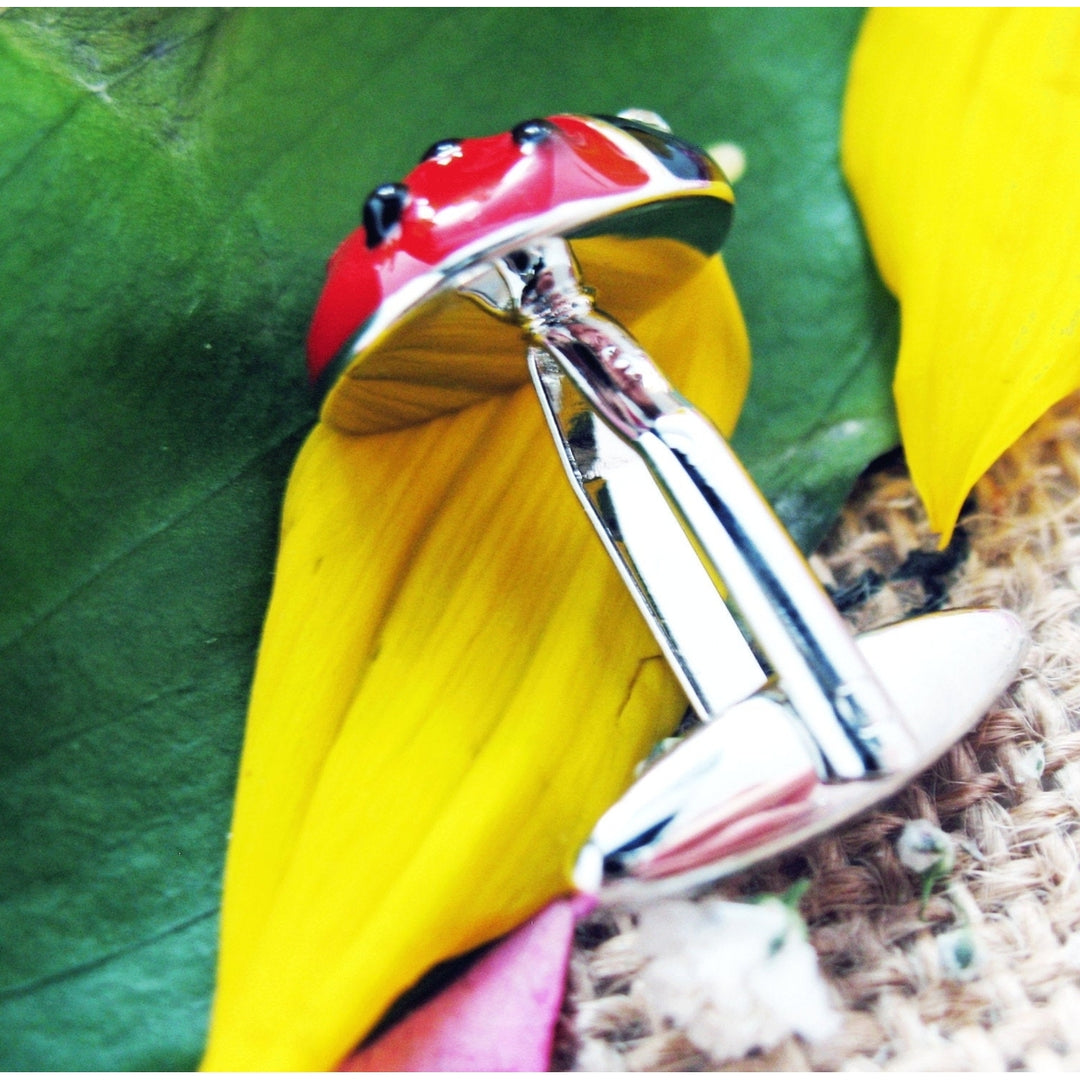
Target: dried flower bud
<point>959,955</point>
<point>734,976</point>
<point>924,848</point>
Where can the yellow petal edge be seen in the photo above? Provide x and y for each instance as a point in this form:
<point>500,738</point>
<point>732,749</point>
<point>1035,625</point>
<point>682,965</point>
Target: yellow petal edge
<point>453,683</point>
<point>961,143</point>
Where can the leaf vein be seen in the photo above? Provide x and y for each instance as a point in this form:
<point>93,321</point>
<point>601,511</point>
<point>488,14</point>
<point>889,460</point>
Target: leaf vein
<point>161,527</point>
<point>45,135</point>
<point>12,993</point>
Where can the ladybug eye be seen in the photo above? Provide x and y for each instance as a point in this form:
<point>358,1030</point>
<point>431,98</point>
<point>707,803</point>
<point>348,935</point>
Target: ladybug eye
<point>444,148</point>
<point>530,132</point>
<point>382,211</point>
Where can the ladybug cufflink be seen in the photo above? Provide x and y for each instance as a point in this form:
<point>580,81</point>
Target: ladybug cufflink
<point>477,273</point>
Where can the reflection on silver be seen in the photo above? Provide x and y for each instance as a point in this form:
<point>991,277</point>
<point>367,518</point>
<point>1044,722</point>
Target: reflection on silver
<point>840,725</point>
<point>795,624</point>
<point>691,623</point>
<point>748,787</point>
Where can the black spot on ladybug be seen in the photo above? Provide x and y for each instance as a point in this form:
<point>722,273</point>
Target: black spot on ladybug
<point>382,211</point>
<point>532,132</point>
<point>443,146</point>
<point>681,159</point>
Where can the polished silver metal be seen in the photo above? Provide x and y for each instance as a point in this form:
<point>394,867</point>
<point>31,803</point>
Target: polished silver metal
<point>749,787</point>
<point>784,757</point>
<point>831,687</point>
<point>696,632</point>
<point>759,778</point>
<point>803,727</point>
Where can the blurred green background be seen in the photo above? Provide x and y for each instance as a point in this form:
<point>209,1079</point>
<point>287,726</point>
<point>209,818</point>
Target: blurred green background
<point>172,183</point>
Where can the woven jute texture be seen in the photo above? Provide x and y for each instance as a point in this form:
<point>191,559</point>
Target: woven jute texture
<point>1008,795</point>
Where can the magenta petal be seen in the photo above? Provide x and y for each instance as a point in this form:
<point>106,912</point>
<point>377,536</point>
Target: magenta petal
<point>498,1017</point>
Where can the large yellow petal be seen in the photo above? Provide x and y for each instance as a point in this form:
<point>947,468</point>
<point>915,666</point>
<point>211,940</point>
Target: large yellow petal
<point>452,685</point>
<point>961,142</point>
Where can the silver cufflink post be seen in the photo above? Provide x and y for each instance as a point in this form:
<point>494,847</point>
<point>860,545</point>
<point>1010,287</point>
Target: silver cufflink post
<point>805,725</point>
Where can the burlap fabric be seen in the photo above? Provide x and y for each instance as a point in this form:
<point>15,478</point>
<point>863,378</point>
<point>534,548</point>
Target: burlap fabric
<point>1008,795</point>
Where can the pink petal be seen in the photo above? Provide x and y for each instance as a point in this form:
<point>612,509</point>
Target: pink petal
<point>498,1017</point>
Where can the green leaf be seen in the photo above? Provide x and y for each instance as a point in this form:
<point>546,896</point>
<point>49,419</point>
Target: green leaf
<point>823,329</point>
<point>172,182</point>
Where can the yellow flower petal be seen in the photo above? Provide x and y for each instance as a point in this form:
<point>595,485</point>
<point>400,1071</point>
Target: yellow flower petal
<point>453,684</point>
<point>961,142</point>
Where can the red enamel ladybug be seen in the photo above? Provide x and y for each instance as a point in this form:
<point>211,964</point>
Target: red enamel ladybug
<point>396,340</point>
